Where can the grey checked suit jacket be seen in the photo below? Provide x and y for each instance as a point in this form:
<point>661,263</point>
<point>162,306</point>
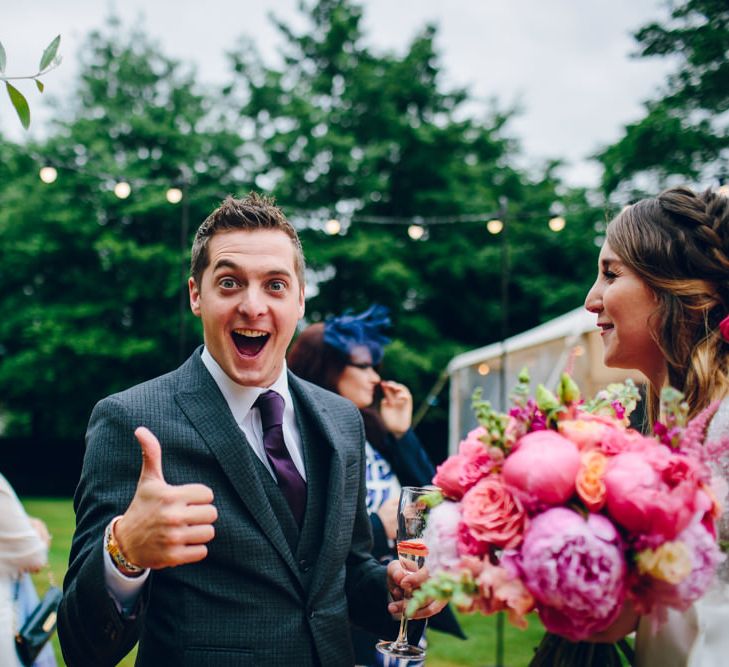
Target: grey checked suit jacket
<point>266,594</point>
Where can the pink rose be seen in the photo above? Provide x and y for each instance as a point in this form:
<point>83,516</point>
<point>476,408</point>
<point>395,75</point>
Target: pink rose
<point>503,591</point>
<point>448,476</point>
<point>468,545</point>
<point>591,431</point>
<point>474,460</point>
<point>586,434</point>
<point>474,443</point>
<point>492,515</point>
<point>543,468</point>
<point>653,491</point>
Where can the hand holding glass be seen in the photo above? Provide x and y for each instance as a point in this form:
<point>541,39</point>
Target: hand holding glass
<point>412,519</point>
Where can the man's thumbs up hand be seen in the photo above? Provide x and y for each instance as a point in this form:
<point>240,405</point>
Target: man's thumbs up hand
<point>164,525</point>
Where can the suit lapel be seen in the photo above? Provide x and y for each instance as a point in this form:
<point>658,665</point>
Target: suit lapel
<point>208,412</point>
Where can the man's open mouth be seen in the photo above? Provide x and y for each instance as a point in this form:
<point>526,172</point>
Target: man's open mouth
<point>249,342</point>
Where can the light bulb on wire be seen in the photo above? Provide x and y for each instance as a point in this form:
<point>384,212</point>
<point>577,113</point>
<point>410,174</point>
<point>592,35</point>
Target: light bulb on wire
<point>122,189</point>
<point>557,223</point>
<point>174,195</point>
<point>48,174</point>
<point>416,232</point>
<point>332,227</point>
<point>494,226</point>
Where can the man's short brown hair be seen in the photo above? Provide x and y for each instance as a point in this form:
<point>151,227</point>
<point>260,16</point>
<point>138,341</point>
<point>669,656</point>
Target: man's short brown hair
<point>252,212</point>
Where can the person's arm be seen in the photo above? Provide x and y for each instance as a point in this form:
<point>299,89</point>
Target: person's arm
<point>148,534</point>
<point>366,579</point>
<point>22,547</point>
<point>91,628</point>
<point>376,593</point>
<point>405,453</point>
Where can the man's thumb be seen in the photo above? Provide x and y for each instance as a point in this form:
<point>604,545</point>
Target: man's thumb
<point>151,454</point>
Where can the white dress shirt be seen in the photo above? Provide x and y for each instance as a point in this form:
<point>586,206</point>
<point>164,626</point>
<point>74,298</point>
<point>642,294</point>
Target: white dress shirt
<point>125,590</point>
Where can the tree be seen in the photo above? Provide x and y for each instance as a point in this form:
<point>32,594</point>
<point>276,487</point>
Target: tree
<point>94,284</point>
<point>341,132</point>
<point>685,132</point>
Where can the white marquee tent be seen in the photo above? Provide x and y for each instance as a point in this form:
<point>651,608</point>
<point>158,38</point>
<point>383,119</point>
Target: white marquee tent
<point>569,342</point>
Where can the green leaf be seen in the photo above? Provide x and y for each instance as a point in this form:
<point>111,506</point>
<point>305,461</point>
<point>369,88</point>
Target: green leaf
<point>50,53</point>
<point>3,58</point>
<point>39,85</point>
<point>20,104</point>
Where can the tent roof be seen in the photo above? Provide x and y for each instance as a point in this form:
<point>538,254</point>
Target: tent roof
<point>573,323</point>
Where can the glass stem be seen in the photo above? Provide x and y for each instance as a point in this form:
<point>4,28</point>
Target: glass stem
<point>402,637</point>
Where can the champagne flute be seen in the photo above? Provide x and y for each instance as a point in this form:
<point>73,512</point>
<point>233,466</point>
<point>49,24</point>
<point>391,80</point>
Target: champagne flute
<point>412,518</point>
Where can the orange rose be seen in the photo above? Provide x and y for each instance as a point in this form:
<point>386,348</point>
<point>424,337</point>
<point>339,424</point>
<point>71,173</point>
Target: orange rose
<point>589,482</point>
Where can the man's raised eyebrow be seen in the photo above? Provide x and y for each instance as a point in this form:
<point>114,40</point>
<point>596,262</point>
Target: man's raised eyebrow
<point>224,264</point>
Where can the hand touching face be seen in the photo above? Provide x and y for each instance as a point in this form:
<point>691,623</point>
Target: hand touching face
<point>396,407</point>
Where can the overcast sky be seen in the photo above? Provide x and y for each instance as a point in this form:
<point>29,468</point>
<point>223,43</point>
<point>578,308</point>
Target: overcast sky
<point>565,62</point>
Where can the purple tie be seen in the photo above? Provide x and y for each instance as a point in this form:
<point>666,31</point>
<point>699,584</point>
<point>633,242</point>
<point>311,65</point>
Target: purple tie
<point>290,481</point>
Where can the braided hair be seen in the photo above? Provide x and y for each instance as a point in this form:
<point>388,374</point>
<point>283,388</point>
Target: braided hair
<point>678,243</point>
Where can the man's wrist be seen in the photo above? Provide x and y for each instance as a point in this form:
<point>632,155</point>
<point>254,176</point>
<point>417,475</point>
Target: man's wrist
<point>126,567</point>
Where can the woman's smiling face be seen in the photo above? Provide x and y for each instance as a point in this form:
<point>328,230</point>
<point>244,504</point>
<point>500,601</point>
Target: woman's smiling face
<point>624,305</point>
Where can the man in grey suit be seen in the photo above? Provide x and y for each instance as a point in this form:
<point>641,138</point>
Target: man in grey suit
<point>244,540</point>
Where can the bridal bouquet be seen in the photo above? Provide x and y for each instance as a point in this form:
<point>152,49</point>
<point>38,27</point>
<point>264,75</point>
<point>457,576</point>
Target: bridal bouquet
<point>559,506</point>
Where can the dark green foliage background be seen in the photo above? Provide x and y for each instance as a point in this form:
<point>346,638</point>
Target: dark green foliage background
<point>93,287</point>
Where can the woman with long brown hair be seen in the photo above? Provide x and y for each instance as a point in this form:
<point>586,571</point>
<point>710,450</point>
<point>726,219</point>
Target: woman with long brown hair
<point>662,302</point>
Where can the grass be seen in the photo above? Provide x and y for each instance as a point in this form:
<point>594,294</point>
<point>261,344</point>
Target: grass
<point>479,650</point>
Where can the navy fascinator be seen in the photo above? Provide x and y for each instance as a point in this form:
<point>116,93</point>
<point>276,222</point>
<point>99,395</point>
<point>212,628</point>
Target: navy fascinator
<point>349,331</point>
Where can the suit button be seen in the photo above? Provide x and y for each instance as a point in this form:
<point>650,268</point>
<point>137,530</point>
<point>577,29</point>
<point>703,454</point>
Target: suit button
<point>304,566</point>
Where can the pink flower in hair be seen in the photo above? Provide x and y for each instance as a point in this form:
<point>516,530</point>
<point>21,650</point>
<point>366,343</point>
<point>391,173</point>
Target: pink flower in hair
<point>724,328</point>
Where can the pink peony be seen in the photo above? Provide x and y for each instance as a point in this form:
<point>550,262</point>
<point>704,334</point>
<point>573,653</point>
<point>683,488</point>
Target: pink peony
<point>492,515</point>
<point>652,490</point>
<point>474,460</point>
<point>542,469</point>
<point>651,594</point>
<point>575,570</point>
<point>441,536</point>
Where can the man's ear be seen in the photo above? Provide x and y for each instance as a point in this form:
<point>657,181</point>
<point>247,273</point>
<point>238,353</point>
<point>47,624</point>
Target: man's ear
<point>194,296</point>
<point>302,302</point>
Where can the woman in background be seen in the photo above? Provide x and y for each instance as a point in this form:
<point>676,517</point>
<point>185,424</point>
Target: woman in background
<point>342,355</point>
<point>24,543</point>
<point>662,301</point>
